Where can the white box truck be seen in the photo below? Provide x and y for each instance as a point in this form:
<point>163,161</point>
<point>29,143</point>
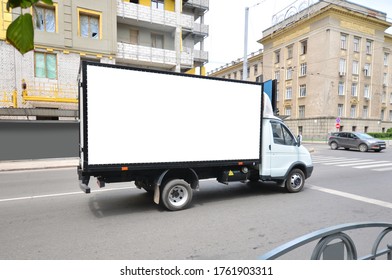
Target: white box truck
<point>166,131</point>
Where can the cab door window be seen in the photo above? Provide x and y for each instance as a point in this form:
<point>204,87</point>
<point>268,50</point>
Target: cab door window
<point>282,135</point>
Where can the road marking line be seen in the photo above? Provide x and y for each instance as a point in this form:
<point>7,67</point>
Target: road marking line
<point>383,169</point>
<point>359,162</point>
<point>58,194</point>
<point>374,165</point>
<point>339,162</point>
<point>352,196</point>
<point>74,193</point>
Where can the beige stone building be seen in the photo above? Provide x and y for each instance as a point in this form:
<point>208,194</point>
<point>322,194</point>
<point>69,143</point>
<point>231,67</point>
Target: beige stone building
<point>157,34</point>
<point>331,60</point>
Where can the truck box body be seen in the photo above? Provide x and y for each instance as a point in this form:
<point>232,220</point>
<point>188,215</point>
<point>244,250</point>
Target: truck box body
<point>166,131</point>
<point>146,119</point>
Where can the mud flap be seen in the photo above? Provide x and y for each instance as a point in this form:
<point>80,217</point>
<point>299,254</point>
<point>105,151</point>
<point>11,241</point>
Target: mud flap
<point>157,193</point>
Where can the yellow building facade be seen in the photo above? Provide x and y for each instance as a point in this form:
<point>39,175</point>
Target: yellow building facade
<point>158,34</point>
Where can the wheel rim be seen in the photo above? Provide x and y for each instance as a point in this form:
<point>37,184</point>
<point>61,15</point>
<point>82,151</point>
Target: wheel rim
<point>178,196</point>
<point>334,146</point>
<point>296,181</point>
<point>362,148</point>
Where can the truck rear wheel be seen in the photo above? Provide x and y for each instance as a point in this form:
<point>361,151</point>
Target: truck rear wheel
<point>176,194</point>
<point>295,181</point>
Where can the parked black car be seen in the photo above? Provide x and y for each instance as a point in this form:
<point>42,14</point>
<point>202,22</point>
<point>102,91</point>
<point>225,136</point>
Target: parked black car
<point>355,140</point>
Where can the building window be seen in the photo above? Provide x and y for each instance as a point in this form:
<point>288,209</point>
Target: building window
<point>342,67</point>
<point>157,41</point>
<point>354,89</point>
<point>255,69</point>
<point>45,17</point>
<point>302,90</point>
<point>343,41</point>
<point>355,67</point>
<point>385,79</point>
<point>45,65</point>
<point>382,115</point>
<point>390,115</point>
<point>287,111</point>
<point>290,52</point>
<point>277,56</point>
<point>304,47</point>
<point>353,111</point>
<point>390,98</point>
<point>341,88</point>
<point>366,70</point>
<point>384,97</point>
<point>386,58</point>
<point>158,4</point>
<point>340,110</point>
<point>289,93</point>
<point>369,46</point>
<point>89,24</point>
<point>365,112</point>
<point>301,111</point>
<point>357,42</point>
<point>289,73</point>
<point>277,75</point>
<point>303,69</point>
<point>366,91</point>
<point>235,75</point>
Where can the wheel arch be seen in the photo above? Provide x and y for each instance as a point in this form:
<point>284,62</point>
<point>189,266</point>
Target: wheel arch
<point>187,174</point>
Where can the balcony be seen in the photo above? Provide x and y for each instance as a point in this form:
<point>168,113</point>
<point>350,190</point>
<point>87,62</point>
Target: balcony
<point>140,15</point>
<point>202,5</point>
<point>148,56</point>
<point>200,56</point>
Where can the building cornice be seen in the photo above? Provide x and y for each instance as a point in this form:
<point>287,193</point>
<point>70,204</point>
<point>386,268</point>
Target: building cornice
<point>330,10</point>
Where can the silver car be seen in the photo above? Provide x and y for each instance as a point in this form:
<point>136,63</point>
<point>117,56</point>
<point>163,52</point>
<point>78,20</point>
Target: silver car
<point>355,140</point>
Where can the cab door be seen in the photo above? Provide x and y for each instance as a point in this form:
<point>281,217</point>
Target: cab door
<point>283,149</point>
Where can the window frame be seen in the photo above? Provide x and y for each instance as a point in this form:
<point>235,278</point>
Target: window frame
<point>343,41</point>
<point>302,90</point>
<point>45,54</point>
<point>46,7</point>
<point>89,13</point>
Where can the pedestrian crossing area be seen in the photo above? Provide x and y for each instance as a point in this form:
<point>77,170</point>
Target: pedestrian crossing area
<point>357,163</point>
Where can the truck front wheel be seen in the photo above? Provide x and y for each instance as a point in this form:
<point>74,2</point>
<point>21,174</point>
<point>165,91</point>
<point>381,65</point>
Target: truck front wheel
<point>295,181</point>
<point>176,194</point>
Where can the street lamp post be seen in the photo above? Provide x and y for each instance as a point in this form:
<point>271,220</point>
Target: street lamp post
<point>245,62</point>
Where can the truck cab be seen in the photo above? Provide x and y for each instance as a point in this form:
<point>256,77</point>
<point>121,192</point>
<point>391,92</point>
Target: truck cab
<point>284,159</point>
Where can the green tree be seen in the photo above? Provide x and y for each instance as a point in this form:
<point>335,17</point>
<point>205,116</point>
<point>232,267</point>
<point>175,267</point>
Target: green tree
<point>20,33</point>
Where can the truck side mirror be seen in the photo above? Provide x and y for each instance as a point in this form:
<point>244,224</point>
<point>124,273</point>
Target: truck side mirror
<point>299,140</point>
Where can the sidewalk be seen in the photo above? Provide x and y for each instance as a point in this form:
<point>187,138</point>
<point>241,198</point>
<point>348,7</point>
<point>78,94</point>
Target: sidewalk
<point>34,164</point>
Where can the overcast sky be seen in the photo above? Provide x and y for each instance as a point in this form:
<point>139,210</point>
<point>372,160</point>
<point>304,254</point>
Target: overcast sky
<point>226,19</point>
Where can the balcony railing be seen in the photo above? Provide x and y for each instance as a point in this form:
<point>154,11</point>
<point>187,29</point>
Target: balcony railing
<point>200,55</point>
<point>146,14</point>
<point>155,56</point>
<point>199,4</point>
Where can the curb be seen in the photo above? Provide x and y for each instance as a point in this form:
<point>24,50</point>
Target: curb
<point>37,164</point>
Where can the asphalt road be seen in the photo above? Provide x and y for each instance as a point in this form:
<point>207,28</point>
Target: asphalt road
<point>43,214</point>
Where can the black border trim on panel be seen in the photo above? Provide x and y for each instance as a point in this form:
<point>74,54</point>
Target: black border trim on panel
<point>90,168</point>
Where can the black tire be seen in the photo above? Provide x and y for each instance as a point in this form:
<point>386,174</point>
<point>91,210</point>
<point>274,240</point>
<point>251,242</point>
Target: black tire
<point>334,145</point>
<point>295,181</point>
<point>176,195</point>
<point>363,147</point>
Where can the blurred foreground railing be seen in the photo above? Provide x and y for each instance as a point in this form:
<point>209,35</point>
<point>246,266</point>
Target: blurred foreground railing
<point>334,243</point>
